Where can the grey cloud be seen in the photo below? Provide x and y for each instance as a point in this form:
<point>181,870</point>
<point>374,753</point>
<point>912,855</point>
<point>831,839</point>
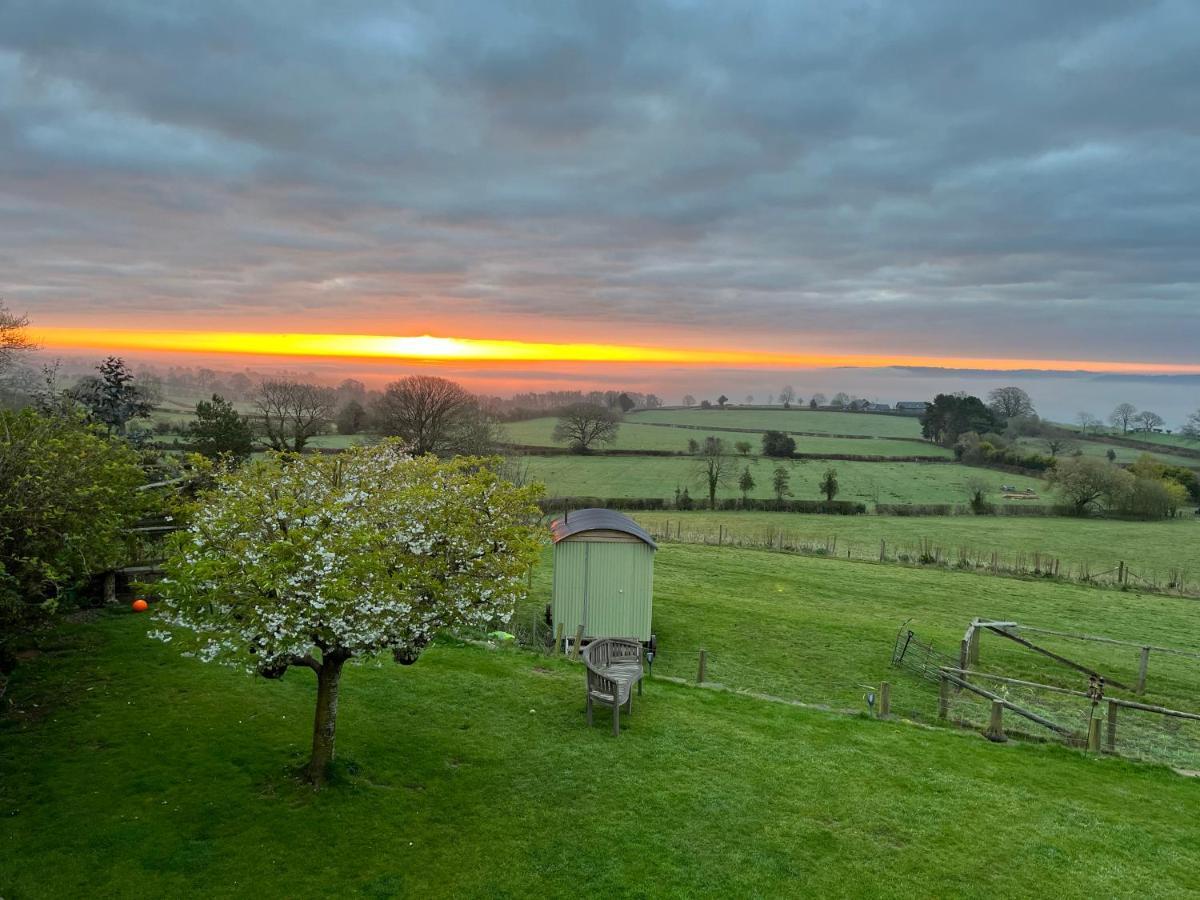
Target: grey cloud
<point>1021,179</point>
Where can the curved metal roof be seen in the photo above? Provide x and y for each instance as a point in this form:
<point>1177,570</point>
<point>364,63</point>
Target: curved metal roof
<point>597,520</point>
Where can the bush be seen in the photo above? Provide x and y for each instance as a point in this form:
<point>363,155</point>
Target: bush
<point>68,495</point>
<point>777,444</point>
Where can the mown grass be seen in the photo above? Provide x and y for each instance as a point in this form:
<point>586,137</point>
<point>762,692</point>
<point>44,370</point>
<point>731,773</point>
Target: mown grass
<point>867,482</point>
<point>1146,547</point>
<point>632,435</point>
<point>130,772</point>
<point>821,421</point>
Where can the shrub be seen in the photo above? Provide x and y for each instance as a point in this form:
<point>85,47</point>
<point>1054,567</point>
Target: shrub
<point>777,444</point>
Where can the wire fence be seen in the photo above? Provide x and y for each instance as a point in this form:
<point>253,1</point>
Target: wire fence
<point>1181,580</point>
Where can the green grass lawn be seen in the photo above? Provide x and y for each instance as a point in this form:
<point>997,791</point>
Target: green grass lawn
<point>822,630</point>
<point>633,435</point>
<point>1147,547</point>
<point>820,421</point>
<point>649,476</point>
<point>1100,449</point>
<point>130,772</point>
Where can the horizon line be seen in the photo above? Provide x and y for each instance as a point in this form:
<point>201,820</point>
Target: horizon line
<point>430,348</point>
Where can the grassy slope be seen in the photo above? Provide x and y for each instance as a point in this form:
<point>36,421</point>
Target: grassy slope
<point>1099,449</point>
<point>597,476</point>
<point>472,774</point>
<point>635,436</point>
<point>821,629</point>
<point>1154,546</point>
<point>788,420</point>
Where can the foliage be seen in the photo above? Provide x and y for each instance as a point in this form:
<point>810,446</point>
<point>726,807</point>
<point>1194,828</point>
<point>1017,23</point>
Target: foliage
<point>743,447</point>
<point>778,445</point>
<point>1191,428</point>
<point>978,489</point>
<point>745,483</point>
<point>1087,484</point>
<point>1149,421</point>
<point>291,412</point>
<point>829,484</point>
<point>583,425</point>
<point>68,492</point>
<point>1147,466</point>
<point>952,415</point>
<point>351,418</point>
<point>780,484</point>
<point>220,431</point>
<point>113,399</point>
<point>311,561</point>
<point>434,415</point>
<point>1010,402</point>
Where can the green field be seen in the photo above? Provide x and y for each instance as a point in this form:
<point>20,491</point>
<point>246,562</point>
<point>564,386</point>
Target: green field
<point>633,435</point>
<point>868,482</point>
<point>820,629</point>
<point>818,421</point>
<point>1147,547</point>
<point>131,772</point>
<point>1100,449</point>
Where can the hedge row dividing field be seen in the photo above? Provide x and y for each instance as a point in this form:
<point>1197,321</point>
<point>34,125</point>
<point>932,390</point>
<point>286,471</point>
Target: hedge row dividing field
<point>130,772</point>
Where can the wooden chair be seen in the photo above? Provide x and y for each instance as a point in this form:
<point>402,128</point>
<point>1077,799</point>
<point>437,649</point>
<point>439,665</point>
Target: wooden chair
<point>613,666</point>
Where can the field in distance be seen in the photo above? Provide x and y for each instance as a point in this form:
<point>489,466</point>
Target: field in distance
<point>866,482</point>
<point>634,434</point>
<point>1148,547</point>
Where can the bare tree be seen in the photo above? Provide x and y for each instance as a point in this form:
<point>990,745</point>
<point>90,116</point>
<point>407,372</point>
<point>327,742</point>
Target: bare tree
<point>1191,428</point>
<point>432,415</point>
<point>1011,402</point>
<point>1148,421</point>
<point>581,425</point>
<point>689,400</point>
<point>13,337</point>
<point>787,395</point>
<point>291,412</point>
<point>1087,422</point>
<point>817,400</point>
<point>1057,441</point>
<point>714,467</point>
<point>1123,416</point>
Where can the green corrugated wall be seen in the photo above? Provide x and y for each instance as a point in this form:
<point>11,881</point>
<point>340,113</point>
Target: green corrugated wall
<point>614,580</point>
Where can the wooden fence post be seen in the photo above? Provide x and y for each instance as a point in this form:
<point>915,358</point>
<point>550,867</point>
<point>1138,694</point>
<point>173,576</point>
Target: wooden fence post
<point>883,551</point>
<point>578,643</point>
<point>885,699</point>
<point>1121,572</point>
<point>943,697</point>
<point>995,729</point>
<point>703,665</point>
<point>1143,665</point>
<point>1112,726</point>
<point>974,659</point>
<point>558,638</point>
<point>1093,738</point>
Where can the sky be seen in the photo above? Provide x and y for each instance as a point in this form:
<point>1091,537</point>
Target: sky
<point>862,183</point>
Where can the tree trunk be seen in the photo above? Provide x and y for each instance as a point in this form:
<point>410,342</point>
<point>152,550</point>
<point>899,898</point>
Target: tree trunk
<point>325,721</point>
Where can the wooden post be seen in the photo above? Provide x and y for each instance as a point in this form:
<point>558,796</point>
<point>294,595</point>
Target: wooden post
<point>943,697</point>
<point>720,535</point>
<point>1143,665</point>
<point>975,646</point>
<point>1112,726</point>
<point>1121,572</point>
<point>578,643</point>
<point>885,699</point>
<point>882,551</point>
<point>1093,738</point>
<point>110,587</point>
<point>703,665</point>
<point>995,729</point>
<point>558,638</point>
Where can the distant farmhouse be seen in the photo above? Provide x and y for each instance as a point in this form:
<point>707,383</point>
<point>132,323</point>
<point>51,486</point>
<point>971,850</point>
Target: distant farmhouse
<point>911,405</point>
<point>877,407</point>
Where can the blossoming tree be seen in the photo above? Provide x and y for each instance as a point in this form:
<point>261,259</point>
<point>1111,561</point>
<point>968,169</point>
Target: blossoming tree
<point>313,560</point>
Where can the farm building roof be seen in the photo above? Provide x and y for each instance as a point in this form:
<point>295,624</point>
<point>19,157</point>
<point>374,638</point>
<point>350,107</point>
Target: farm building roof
<point>597,520</point>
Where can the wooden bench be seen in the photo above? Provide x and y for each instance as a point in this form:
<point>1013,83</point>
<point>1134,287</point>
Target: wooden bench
<point>613,665</point>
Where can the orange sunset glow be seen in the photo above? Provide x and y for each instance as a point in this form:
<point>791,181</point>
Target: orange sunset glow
<point>428,347</point>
